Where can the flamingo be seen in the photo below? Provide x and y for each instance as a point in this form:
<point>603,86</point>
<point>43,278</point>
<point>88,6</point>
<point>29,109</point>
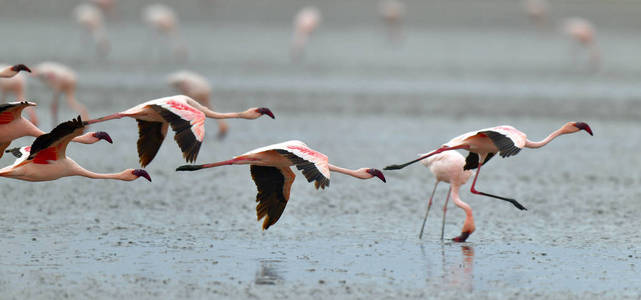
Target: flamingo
<point>305,23</point>
<point>13,126</point>
<point>583,32</point>
<point>392,12</point>
<point>483,144</point>
<point>89,16</point>
<point>270,171</point>
<point>448,167</point>
<point>196,86</point>
<point>46,158</point>
<point>163,18</point>
<point>10,71</point>
<point>16,86</point>
<point>536,10</point>
<point>186,117</point>
<point>61,79</point>
<point>107,6</point>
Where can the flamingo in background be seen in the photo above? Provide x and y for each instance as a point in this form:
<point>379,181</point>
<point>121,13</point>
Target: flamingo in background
<point>305,23</point>
<point>10,71</point>
<point>536,10</point>
<point>89,16</point>
<point>392,12</point>
<point>485,143</point>
<point>13,126</point>
<point>196,86</point>
<point>448,167</point>
<point>46,158</point>
<point>163,19</point>
<point>270,171</point>
<point>582,31</point>
<point>186,117</point>
<point>16,86</point>
<point>61,79</point>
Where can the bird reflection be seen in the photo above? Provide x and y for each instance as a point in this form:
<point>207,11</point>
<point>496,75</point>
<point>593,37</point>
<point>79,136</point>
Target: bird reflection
<point>269,272</point>
<point>457,274</point>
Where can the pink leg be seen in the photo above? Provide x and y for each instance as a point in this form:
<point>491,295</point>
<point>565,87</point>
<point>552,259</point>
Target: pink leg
<point>474,191</point>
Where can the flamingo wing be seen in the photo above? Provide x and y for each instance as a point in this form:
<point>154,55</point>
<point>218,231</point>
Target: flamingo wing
<point>187,123</point>
<point>53,145</point>
<point>150,137</point>
<point>273,186</point>
<point>12,110</point>
<point>472,161</point>
<point>503,141</point>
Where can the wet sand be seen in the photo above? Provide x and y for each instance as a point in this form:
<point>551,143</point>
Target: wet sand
<point>364,104</point>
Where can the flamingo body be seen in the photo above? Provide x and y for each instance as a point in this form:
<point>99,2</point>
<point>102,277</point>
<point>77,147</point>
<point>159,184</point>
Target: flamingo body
<point>62,80</point>
<point>270,170</point>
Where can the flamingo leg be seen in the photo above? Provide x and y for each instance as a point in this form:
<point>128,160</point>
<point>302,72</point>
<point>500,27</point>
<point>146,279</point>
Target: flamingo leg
<point>429,205</point>
<point>474,191</point>
<point>445,211</point>
<point>54,108</point>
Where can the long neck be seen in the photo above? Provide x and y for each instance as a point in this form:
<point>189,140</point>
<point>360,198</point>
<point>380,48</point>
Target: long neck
<point>105,118</point>
<point>349,172</point>
<point>30,129</point>
<point>549,138</point>
<point>216,115</point>
<point>86,173</point>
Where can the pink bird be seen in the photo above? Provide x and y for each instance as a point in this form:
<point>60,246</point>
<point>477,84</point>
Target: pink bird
<point>16,86</point>
<point>536,10</point>
<point>582,31</point>
<point>270,171</point>
<point>198,88</point>
<point>163,18</point>
<point>305,23</point>
<point>46,158</point>
<point>62,80</point>
<point>14,126</point>
<point>186,117</point>
<point>10,71</point>
<point>89,16</point>
<point>448,167</point>
<point>392,12</point>
<point>485,143</point>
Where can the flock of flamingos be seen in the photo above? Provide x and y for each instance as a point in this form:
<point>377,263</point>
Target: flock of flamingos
<point>270,166</point>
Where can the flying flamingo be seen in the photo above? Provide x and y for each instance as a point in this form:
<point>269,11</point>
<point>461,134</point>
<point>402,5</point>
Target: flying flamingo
<point>163,19</point>
<point>10,71</point>
<point>485,143</point>
<point>392,12</point>
<point>196,87</point>
<point>46,158</point>
<point>186,117</point>
<point>89,16</point>
<point>61,79</point>
<point>448,167</point>
<point>16,86</point>
<point>270,171</point>
<point>13,126</point>
<point>305,23</point>
<point>582,31</point>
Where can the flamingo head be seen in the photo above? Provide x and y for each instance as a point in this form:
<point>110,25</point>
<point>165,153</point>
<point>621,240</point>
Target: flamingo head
<point>101,135</point>
<point>582,126</point>
<point>20,67</point>
<point>265,111</point>
<point>376,173</point>
<point>141,173</point>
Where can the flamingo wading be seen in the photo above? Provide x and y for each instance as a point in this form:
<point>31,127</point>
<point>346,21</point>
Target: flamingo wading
<point>186,117</point>
<point>270,171</point>
<point>483,144</point>
<point>46,158</point>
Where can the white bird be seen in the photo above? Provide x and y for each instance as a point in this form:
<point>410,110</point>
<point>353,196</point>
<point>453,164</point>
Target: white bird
<point>90,17</point>
<point>163,19</point>
<point>62,80</point>
<point>583,32</point>
<point>305,23</point>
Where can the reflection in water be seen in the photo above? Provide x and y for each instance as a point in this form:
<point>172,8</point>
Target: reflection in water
<point>457,273</point>
<point>269,272</point>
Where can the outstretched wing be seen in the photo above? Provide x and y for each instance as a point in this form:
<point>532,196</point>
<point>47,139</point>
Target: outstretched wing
<point>53,145</point>
<point>505,144</point>
<point>150,137</point>
<point>12,110</point>
<point>273,186</point>
<point>188,124</point>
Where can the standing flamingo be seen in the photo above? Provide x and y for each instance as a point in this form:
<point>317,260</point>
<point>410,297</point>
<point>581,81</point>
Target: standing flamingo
<point>61,79</point>
<point>13,126</point>
<point>270,171</point>
<point>536,10</point>
<point>16,86</point>
<point>186,117</point>
<point>46,158</point>
<point>305,23</point>
<point>10,71</point>
<point>163,19</point>
<point>582,31</point>
<point>448,167</point>
<point>89,16</point>
<point>392,12</point>
<point>196,86</point>
<point>485,143</point>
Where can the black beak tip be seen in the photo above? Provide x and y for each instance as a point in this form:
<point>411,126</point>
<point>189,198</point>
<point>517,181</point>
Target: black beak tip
<point>20,67</point>
<point>103,136</point>
<point>266,111</point>
<point>142,173</point>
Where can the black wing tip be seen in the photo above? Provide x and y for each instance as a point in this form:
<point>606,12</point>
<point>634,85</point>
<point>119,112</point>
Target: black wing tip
<point>189,168</point>
<point>394,167</point>
<point>15,151</point>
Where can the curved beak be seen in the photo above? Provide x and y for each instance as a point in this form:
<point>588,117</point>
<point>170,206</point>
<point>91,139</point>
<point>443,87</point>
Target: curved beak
<point>265,111</point>
<point>377,173</point>
<point>583,126</point>
<point>20,67</point>
<point>141,173</point>
<point>101,135</point>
